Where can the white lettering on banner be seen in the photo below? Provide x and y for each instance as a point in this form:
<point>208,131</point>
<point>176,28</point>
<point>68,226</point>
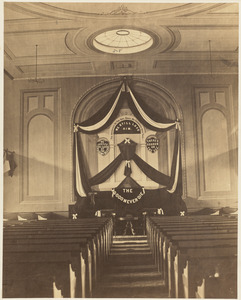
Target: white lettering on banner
<point>127,126</point>
<point>127,191</point>
<point>128,201</point>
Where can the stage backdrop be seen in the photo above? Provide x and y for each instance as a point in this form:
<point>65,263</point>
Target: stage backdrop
<point>129,196</point>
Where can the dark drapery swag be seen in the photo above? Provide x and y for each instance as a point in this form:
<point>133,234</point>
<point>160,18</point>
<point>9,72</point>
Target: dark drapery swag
<point>127,154</point>
<point>103,112</point>
<point>102,119</point>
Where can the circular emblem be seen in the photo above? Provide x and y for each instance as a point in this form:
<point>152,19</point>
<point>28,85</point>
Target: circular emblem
<point>152,143</point>
<point>103,146</point>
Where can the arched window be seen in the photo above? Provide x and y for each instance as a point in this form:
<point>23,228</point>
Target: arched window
<point>217,164</point>
<point>39,143</point>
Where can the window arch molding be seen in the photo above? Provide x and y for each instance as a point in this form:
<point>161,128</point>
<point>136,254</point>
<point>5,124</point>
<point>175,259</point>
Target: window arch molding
<point>36,113</point>
<point>212,107</point>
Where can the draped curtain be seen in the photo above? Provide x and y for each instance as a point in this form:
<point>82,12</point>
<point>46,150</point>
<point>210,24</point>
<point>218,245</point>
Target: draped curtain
<point>103,119</point>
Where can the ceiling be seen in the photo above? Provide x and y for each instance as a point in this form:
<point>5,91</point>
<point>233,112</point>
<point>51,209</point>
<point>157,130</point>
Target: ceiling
<point>190,38</point>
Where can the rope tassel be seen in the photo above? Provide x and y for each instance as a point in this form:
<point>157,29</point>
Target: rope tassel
<point>128,168</point>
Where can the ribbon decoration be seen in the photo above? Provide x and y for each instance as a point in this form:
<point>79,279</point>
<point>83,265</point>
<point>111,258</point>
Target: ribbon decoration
<point>128,163</point>
<point>74,216</point>
<point>160,211</point>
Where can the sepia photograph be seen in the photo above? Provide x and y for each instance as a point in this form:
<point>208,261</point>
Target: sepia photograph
<point>120,149</point>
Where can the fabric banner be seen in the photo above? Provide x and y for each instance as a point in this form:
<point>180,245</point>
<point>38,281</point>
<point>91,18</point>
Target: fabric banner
<point>151,172</point>
<point>128,195</point>
<point>176,160</point>
<point>145,119</point>
<point>81,178</point>
<point>127,149</point>
<point>104,117</point>
<point>171,204</point>
<point>103,175</point>
<point>107,114</point>
<point>128,153</point>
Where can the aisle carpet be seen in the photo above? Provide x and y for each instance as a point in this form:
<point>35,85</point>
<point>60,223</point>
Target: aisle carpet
<point>130,271</point>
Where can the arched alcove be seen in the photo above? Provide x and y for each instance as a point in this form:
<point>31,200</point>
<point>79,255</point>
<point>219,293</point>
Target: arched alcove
<point>158,99</point>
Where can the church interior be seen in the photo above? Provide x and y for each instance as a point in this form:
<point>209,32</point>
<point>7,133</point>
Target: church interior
<point>120,150</point>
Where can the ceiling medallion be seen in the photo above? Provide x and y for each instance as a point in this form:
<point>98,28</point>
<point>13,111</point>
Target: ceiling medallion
<point>121,10</point>
<point>123,41</point>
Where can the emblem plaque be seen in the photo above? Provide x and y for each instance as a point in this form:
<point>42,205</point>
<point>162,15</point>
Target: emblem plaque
<point>152,143</point>
<point>103,146</point>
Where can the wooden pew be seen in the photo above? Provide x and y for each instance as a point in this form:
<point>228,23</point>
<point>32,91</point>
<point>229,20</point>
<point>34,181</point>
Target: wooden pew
<point>157,228</point>
<point>177,221</point>
<point>163,228</point>
<point>211,276</point>
<point>60,225</point>
<point>63,226</point>
<point>174,268</point>
<point>180,222</point>
<point>89,255</point>
<point>60,233</point>
<point>59,255</point>
<point>97,244</point>
<point>219,253</point>
<point>25,235</point>
<point>186,235</point>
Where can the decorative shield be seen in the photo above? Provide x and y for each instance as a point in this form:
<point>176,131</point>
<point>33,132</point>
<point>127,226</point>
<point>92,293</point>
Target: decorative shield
<point>152,143</point>
<point>103,146</point>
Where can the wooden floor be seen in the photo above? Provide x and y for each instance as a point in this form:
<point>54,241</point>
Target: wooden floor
<point>130,271</point>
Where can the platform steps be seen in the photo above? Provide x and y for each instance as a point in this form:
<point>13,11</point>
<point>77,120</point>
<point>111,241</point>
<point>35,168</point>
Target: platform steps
<point>130,271</point>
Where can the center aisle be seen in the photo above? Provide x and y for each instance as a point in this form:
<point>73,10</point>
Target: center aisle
<point>130,271</point>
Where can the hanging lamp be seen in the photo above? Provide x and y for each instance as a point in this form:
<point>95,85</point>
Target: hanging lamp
<point>36,79</point>
<point>210,58</point>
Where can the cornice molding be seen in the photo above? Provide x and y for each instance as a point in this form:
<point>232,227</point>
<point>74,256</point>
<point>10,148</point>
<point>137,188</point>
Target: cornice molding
<point>47,10</point>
